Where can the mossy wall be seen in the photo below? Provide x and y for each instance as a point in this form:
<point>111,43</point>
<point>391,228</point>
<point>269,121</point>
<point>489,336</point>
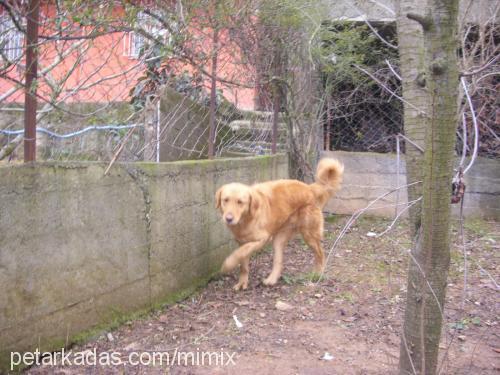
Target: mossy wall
<point>78,249</point>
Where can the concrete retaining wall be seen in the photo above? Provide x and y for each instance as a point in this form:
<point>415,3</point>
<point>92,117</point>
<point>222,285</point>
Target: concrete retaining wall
<point>384,10</point>
<point>79,249</point>
<point>369,175</point>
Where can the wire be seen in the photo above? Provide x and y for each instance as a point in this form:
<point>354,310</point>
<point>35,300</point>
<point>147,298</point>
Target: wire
<point>74,134</point>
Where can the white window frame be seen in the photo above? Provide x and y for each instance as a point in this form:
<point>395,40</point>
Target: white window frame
<point>11,40</point>
<point>134,41</point>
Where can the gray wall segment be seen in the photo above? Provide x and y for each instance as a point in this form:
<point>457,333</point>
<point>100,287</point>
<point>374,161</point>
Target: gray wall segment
<point>79,249</point>
<point>367,176</point>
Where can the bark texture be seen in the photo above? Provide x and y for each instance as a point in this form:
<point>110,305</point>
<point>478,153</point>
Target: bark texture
<point>428,269</point>
<point>411,56</point>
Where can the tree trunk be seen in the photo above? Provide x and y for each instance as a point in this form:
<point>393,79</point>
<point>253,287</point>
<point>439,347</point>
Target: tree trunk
<point>411,56</point>
<point>431,254</point>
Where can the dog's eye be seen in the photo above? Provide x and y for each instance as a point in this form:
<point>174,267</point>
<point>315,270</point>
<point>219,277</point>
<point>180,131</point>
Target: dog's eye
<point>239,201</point>
<point>226,200</point>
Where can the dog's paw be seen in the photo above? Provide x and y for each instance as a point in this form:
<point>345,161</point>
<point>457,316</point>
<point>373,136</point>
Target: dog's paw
<point>229,264</point>
<point>319,269</point>
<point>242,285</point>
<point>270,280</point>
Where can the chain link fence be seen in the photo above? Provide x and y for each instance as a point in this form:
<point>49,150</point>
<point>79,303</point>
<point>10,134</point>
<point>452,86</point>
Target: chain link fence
<point>120,85</point>
<point>366,121</point>
<point>364,111</point>
<point>130,83</point>
<point>371,122</point>
<point>116,85</point>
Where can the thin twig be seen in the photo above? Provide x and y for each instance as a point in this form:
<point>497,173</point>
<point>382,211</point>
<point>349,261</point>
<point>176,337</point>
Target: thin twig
<point>393,70</point>
<point>411,142</point>
<point>464,142</point>
<point>119,151</point>
<point>408,353</point>
<point>476,126</point>
<point>409,204</point>
<point>480,69</point>
<point>398,159</point>
<point>462,237</point>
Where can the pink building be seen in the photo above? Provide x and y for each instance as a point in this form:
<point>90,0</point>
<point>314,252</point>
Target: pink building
<point>107,67</point>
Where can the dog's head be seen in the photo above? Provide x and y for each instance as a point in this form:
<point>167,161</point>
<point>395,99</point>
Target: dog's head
<point>235,201</point>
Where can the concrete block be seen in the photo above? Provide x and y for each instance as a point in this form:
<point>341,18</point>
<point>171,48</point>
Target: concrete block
<point>368,176</point>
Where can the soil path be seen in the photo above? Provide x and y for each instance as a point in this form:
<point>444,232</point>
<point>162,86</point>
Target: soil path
<point>348,323</point>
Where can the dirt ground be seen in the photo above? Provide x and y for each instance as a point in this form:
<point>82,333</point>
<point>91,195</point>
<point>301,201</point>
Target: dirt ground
<point>348,323</point>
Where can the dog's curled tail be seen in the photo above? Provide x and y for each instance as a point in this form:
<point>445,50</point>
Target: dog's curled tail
<point>329,174</point>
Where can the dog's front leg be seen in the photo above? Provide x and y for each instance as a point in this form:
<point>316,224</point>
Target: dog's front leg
<point>279,243</point>
<point>244,251</point>
<point>244,271</point>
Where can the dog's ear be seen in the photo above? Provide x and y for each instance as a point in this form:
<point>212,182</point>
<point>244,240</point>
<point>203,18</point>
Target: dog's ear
<point>218,194</point>
<point>253,204</point>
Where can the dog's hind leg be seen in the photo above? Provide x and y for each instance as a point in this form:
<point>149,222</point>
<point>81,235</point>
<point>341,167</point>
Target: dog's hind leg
<point>279,242</point>
<point>244,271</point>
<point>314,241</point>
<point>313,233</point>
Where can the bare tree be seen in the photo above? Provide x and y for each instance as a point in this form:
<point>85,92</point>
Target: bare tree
<point>430,255</point>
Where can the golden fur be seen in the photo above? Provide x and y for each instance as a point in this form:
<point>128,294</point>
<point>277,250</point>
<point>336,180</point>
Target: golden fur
<point>275,211</point>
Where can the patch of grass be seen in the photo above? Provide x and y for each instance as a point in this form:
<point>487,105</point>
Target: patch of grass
<point>302,244</point>
<point>382,265</point>
<point>367,221</point>
<point>379,276</point>
<point>456,263</point>
<point>476,226</point>
<point>314,277</point>
<point>330,235</point>
<point>303,278</point>
<point>332,218</point>
<point>347,296</point>
<point>456,256</point>
<point>465,323</point>
<point>267,249</point>
<point>287,279</point>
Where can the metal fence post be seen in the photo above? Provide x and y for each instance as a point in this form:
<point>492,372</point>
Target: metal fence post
<point>213,95</point>
<point>276,113</point>
<point>30,102</point>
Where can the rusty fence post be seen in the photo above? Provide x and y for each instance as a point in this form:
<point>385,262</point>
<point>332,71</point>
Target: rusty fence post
<point>30,102</point>
<point>213,95</point>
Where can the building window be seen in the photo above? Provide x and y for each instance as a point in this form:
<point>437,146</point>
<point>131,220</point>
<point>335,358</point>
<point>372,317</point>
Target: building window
<point>11,40</point>
<point>135,42</point>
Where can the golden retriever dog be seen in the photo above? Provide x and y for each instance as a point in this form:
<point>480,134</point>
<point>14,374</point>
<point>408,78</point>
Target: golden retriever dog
<point>275,211</point>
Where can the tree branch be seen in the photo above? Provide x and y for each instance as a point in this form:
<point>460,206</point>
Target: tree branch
<point>425,22</point>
